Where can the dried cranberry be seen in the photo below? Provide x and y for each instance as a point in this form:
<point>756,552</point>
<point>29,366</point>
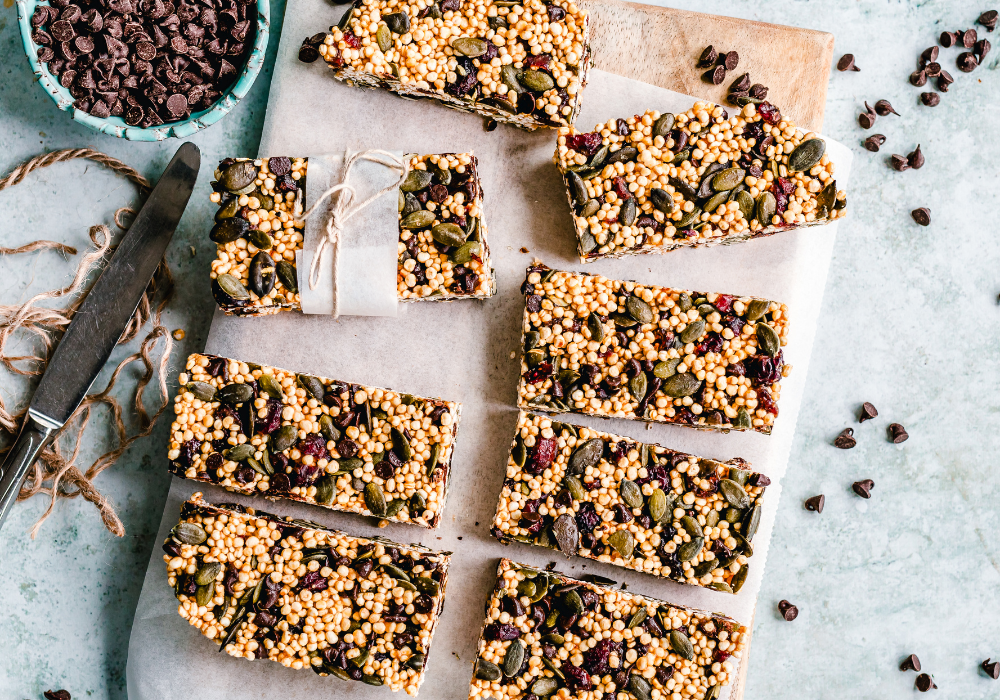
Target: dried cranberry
<point>588,373</point>
<point>766,401</point>
<point>512,606</point>
<point>172,548</point>
<point>769,113</point>
<point>621,188</point>
<point>721,656</point>
<point>286,183</point>
<point>712,343</point>
<point>723,303</point>
<point>587,518</point>
<point>534,303</point>
<point>464,84</point>
<point>587,144</point>
<point>498,632</point>
<point>402,639</point>
<point>272,421</point>
<point>364,567</point>
<point>684,415</point>
<point>313,581</point>
<point>664,674</point>
<point>347,448</point>
<point>663,339</point>
<point>438,193</point>
<point>313,444</point>
<point>595,660</point>
<point>753,130</point>
<point>763,369</point>
<point>556,13</point>
<point>540,62</point>
<point>229,579</point>
<point>733,323</point>
<point>280,483</point>
<point>542,455</point>
<point>351,40</point>
<point>532,522</point>
<point>736,369</point>
<point>622,514</point>
<point>539,373</point>
<point>576,677</point>
<point>786,186</point>
<point>188,451</point>
<point>760,480</point>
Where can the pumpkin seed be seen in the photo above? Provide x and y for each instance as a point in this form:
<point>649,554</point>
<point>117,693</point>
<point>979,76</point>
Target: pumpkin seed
<point>287,276</point>
<point>631,493</point>
<point>750,523</point>
<point>239,453</point>
<point>575,488</point>
<point>312,385</point>
<point>600,157</point>
<point>232,287</point>
<point>567,535</point>
<point>767,340</point>
<point>716,201</point>
<point>742,421</point>
<point>283,438</point>
<point>693,331</point>
<point>589,208</point>
<point>233,394</point>
<point>487,670</point>
<point>746,204</point>
<point>806,155</point>
<point>595,327</point>
<point>712,519</point>
<point>416,661</point>
<point>663,125</point>
<point>692,526</point>
<point>468,46</point>
<point>326,489</point>
<point>513,659</point>
<point>544,687</point>
<point>681,157</point>
<point>448,234</point>
<point>577,188</point>
<point>623,542</point>
<point>756,309</point>
<point>657,505</point>
<point>690,550</point>
<point>572,601</point>
<point>201,390</point>
<point>257,467</point>
<point>394,507</point>
<point>727,179</point>
<point>541,589</point>
<point>416,180</point>
<point>260,239</point>
<point>767,205</point>
<point>587,242</point>
<point>526,588</point>
<point>639,687</point>
<point>419,219</point>
<point>398,22</point>
<point>638,618</point>
<point>666,369</point>
<point>732,515</point>
<point>553,638</point>
<point>706,567</point>
<point>519,453</point>
<point>464,253</point>
<point>372,679</point>
<point>628,212</point>
<point>327,429</point>
<point>720,586</point>
<point>229,230</point>
<point>733,493</point>
<point>375,499</point>
<point>427,585</point>
<point>639,309</point>
<point>270,386</point>
<point>395,572</point>
<point>681,645</point>
<point>739,578</point>
<point>228,210</point>
<point>680,385</point>
<point>203,596</point>
<point>549,663</point>
<point>688,218</point>
<point>189,533</point>
<point>662,200</point>
<point>828,195</point>
<point>239,175</point>
<point>638,385</point>
<point>537,81</point>
<point>624,155</point>
<point>207,573</point>
<point>261,274</point>
<point>509,77</point>
<point>432,463</point>
<point>418,504</point>
<point>684,301</point>
<point>401,445</point>
<point>535,357</point>
<point>623,320</point>
<point>383,37</point>
<point>586,455</point>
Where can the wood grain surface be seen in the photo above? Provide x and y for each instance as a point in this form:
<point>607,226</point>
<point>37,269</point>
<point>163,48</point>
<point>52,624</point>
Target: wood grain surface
<point>661,45</point>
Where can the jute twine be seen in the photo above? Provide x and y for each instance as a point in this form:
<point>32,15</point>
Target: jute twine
<point>56,473</point>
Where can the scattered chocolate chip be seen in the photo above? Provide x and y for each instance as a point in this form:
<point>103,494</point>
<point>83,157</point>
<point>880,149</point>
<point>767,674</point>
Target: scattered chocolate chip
<point>899,162</point>
<point>991,669</point>
<point>56,695</point>
<point>967,62</point>
<point>925,683</point>
<point>874,142</point>
<point>930,54</point>
<point>866,120</point>
<point>933,70</point>
<point>715,75</point>
<point>969,38</point>
<point>845,440</point>
<point>787,610</point>
<point>868,410</point>
<point>846,63</point>
<point>930,99</point>
<point>708,57</point>
<point>944,80</point>
<point>741,84</point>
<point>884,109</point>
<point>923,217</point>
<point>730,60</point>
<point>910,663</point>
<point>863,488</point>
<point>916,158</point>
<point>988,19</point>
<point>816,503</point>
<point>918,78</point>
<point>948,39</point>
<point>897,433</point>
<point>981,48</point>
<point>758,91</point>
<point>490,125</point>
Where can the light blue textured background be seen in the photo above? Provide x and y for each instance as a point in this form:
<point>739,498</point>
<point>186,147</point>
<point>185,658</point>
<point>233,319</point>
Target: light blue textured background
<point>909,322</point>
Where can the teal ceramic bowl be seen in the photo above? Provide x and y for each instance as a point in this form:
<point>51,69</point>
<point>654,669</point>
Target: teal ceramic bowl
<point>116,126</point>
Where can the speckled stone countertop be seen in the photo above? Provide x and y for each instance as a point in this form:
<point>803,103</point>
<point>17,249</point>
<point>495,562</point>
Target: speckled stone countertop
<point>909,323</point>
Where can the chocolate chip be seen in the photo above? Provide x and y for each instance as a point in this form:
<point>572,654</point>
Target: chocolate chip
<point>981,48</point>
<point>62,30</point>
<point>933,70</point>
<point>899,162</point>
<point>100,110</point>
<point>918,78</point>
<point>944,80</point>
<point>787,610</point>
<point>930,99</point>
<point>730,60</point>
<point>816,503</point>
<point>490,125</point>
<point>758,91</point>
<point>863,488</point>
<point>948,39</point>
<point>866,120</point>
<point>930,54</point>
<point>846,63</point>
<point>989,20</point>
<point>874,142</point>
<point>910,663</point>
<point>308,53</point>
<point>56,695</point>
<point>868,411</point>
<point>715,75</point>
<point>925,683</point>
<point>177,104</point>
<point>845,440</point>
<point>967,62</point>
<point>884,109</point>
<point>897,433</point>
<point>741,84</point>
<point>969,38</point>
<point>991,669</point>
<point>708,57</point>
<point>916,158</point>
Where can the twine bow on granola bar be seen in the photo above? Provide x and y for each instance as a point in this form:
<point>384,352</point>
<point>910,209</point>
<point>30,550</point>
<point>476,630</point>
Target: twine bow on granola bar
<point>342,208</point>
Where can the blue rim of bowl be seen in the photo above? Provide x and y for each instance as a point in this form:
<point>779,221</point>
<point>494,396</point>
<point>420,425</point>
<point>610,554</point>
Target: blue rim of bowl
<point>116,126</point>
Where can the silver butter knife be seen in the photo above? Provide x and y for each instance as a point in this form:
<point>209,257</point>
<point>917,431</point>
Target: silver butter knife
<point>100,321</point>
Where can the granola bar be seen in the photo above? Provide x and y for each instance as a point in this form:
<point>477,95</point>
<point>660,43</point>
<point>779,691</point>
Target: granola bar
<point>620,349</point>
<point>524,63</point>
<point>548,635</point>
<point>443,253</point>
<point>263,430</point>
<point>638,506</point>
<point>264,587</point>
<point>657,182</point>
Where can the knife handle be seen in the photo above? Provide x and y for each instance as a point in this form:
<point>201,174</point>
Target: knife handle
<point>32,439</point>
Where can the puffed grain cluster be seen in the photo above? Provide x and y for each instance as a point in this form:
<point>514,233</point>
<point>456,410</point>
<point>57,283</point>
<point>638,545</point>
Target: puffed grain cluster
<point>306,597</point>
<point>547,635</point>
<point>657,182</point>
<point>621,349</point>
<point>638,506</point>
<point>367,450</point>
<point>523,62</point>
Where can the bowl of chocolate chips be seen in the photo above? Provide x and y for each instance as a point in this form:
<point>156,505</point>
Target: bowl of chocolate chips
<point>145,70</point>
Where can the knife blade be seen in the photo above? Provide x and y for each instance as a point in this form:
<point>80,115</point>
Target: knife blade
<point>100,320</point>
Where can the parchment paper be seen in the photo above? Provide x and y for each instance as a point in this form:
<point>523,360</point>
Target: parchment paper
<point>469,351</point>
<point>358,278</point>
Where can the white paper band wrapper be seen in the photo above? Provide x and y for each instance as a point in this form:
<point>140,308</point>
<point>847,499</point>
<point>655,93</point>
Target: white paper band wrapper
<point>368,246</point>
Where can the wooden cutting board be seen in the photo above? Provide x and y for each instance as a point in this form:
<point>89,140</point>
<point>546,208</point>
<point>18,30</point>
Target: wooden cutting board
<point>662,45</point>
